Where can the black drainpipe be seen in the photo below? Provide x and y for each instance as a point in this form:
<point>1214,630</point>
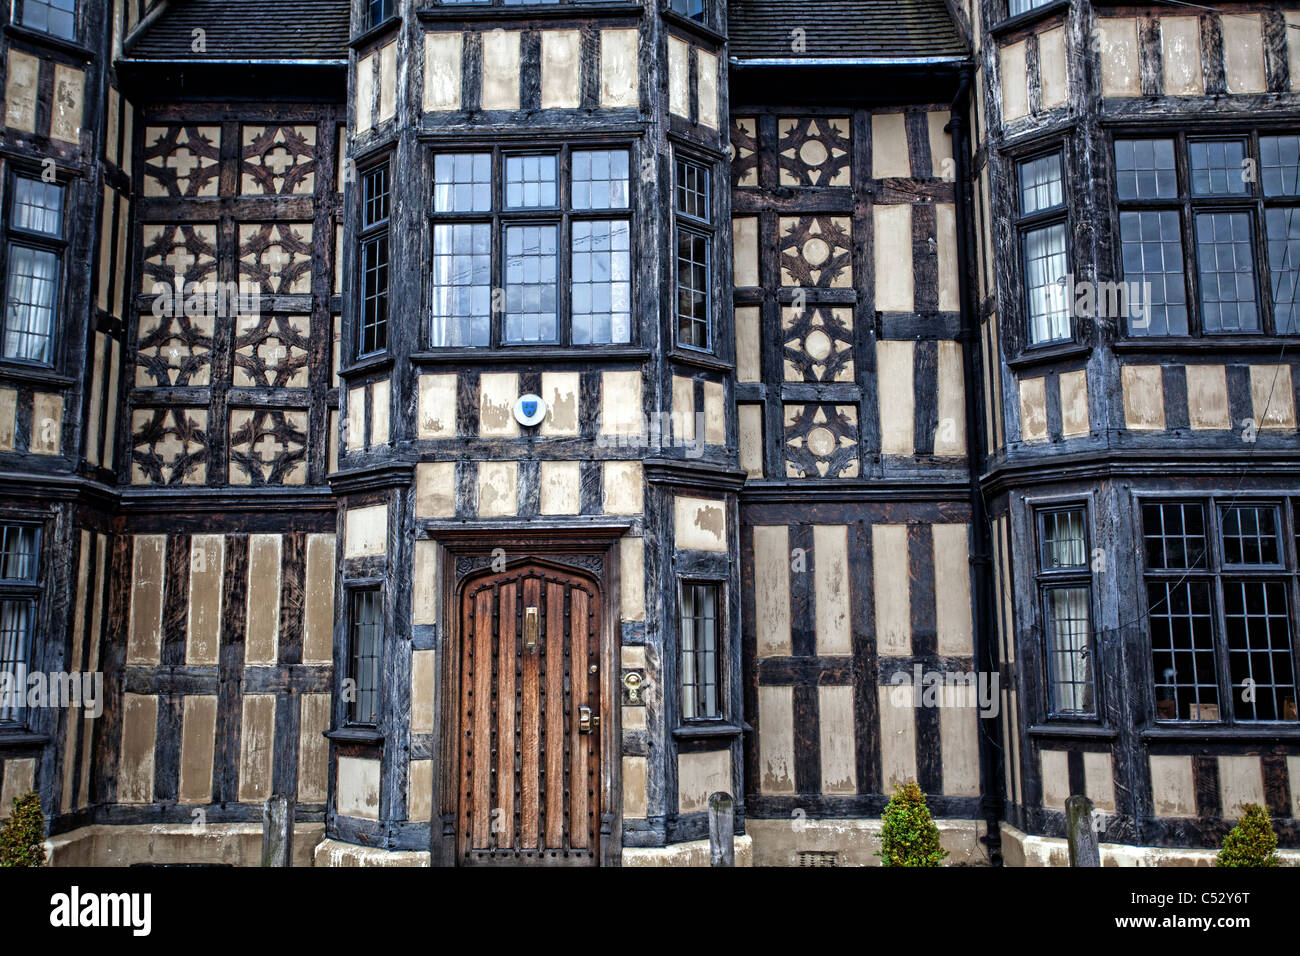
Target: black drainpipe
<point>986,652</point>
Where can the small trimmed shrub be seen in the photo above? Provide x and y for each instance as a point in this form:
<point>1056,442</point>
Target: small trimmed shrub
<point>22,838</point>
<point>1251,842</point>
<point>909,837</point>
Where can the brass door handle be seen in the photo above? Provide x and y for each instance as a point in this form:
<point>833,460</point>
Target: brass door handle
<point>587,721</point>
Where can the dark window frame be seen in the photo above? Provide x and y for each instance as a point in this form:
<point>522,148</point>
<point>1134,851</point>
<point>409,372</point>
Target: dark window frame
<point>41,242</point>
<point>499,217</point>
<point>1048,579</point>
<point>27,590</point>
<point>1211,573</point>
<point>351,669</point>
<point>1253,202</point>
<point>1025,223</point>
<point>373,236</point>
<point>687,224</point>
<point>720,651</point>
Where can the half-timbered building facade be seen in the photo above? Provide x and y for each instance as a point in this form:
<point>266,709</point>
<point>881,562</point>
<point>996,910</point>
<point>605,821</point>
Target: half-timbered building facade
<point>498,426</point>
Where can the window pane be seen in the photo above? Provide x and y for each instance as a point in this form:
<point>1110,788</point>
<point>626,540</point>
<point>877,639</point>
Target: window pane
<point>462,284</point>
<point>1042,184</point>
<point>602,283</point>
<point>15,645</point>
<point>1226,264</point>
<point>1174,536</point>
<point>1144,169</point>
<point>692,190</point>
<point>531,283</point>
<point>1065,540</point>
<point>699,647</point>
<point>1069,654</point>
<point>1280,165</point>
<point>29,307</point>
<point>1217,167</point>
<point>374,295</point>
<point>462,182</point>
<point>1284,262</point>
<point>38,207</point>
<point>1259,650</point>
<point>56,17</point>
<point>1024,6</point>
<point>689,8</point>
<point>380,10</point>
<point>1045,277</point>
<point>367,629</point>
<point>18,553</point>
<point>530,182</point>
<point>1152,246</point>
<point>600,179</point>
<point>1182,650</point>
<point>692,289</point>
<point>374,196</point>
<point>1249,535</point>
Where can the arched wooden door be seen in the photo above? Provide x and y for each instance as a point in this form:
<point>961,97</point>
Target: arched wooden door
<point>530,728</point>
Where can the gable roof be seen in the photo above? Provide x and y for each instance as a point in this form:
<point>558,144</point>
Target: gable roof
<point>239,31</point>
<point>761,31</point>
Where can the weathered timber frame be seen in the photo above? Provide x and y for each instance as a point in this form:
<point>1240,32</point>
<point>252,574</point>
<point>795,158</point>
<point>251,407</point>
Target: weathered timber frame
<point>562,548</point>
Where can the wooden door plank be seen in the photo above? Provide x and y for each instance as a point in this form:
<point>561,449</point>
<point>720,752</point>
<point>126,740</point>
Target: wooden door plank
<point>482,707</point>
<point>530,732</point>
<point>579,825</point>
<point>466,723</point>
<point>507,661</point>
<point>555,668</point>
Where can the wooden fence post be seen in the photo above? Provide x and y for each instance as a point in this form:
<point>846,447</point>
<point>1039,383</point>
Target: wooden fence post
<point>1084,850</point>
<point>722,827</point>
<point>277,831</point>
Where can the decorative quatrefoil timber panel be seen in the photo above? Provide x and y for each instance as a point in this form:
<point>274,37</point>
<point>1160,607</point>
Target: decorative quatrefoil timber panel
<point>272,351</point>
<point>169,446</point>
<point>172,252</point>
<point>818,344</point>
<point>182,161</point>
<point>174,351</point>
<point>276,257</point>
<point>815,151</point>
<point>268,447</point>
<point>744,152</point>
<point>278,161</point>
<point>821,441</point>
<point>816,252</point>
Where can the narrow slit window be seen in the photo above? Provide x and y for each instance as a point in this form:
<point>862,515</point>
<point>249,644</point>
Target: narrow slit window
<point>701,696</point>
<point>365,655</point>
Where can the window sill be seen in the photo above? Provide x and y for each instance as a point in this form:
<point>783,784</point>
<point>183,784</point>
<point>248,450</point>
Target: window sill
<point>355,735</point>
<point>700,359</point>
<point>701,30</point>
<point>1028,18</point>
<point>484,11</point>
<point>708,731</point>
<point>21,737</point>
<point>35,375</point>
<point>531,354</point>
<point>371,363</point>
<point>1092,731</point>
<point>374,33</point>
<point>1048,354</point>
<point>70,47</point>
<point>1208,343</point>
<point>1190,730</point>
